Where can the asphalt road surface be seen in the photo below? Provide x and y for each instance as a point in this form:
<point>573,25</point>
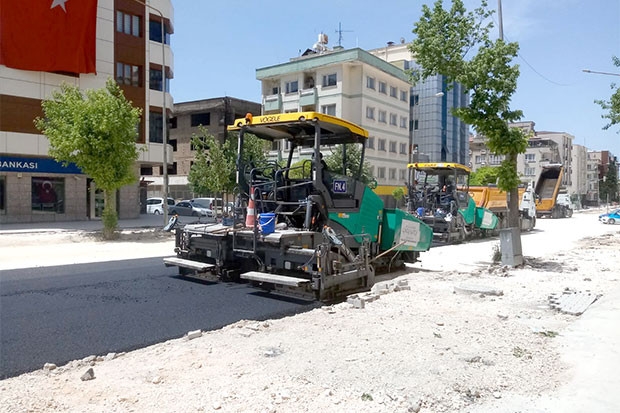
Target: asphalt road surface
<point>63,313</point>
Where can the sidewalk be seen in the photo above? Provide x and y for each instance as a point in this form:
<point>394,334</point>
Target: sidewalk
<point>143,221</point>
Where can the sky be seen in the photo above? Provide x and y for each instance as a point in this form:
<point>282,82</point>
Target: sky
<point>218,45</point>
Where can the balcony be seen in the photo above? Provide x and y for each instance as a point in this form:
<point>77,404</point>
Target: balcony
<point>273,103</point>
<point>307,97</point>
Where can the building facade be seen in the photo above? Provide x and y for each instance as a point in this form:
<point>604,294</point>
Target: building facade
<point>352,84</point>
<point>437,135</point>
<point>214,115</point>
<point>129,47</point>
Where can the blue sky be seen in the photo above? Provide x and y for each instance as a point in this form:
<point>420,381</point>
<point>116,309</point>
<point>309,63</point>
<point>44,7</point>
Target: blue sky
<point>219,45</point>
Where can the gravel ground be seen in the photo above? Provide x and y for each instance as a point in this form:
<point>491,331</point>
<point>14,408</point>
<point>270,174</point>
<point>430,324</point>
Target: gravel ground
<point>422,348</point>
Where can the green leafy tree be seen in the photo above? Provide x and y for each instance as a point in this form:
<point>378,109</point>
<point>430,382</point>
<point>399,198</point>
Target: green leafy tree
<point>484,176</point>
<point>96,130</point>
<point>612,106</point>
<point>457,44</point>
<point>214,170</point>
<point>399,195</point>
<point>354,156</point>
<point>608,187</point>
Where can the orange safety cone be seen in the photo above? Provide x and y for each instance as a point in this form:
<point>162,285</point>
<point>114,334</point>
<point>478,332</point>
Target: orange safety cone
<point>250,217</point>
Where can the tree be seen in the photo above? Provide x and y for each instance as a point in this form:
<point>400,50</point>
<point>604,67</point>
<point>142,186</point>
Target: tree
<point>612,106</point>
<point>608,186</point>
<point>484,176</point>
<point>214,170</point>
<point>96,130</point>
<point>456,44</point>
<point>334,161</point>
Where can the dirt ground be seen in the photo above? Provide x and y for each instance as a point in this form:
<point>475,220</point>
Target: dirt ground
<point>424,348</point>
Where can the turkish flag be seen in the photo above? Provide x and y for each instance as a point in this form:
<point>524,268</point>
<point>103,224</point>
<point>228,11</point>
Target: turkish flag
<point>48,35</point>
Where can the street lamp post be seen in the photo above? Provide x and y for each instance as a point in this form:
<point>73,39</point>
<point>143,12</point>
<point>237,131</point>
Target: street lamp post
<point>410,170</point>
<point>163,127</point>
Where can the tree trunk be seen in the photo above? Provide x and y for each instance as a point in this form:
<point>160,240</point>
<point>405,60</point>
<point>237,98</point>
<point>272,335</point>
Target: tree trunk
<point>110,219</point>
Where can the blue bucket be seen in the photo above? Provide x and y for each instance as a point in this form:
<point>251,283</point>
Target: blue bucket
<point>267,222</point>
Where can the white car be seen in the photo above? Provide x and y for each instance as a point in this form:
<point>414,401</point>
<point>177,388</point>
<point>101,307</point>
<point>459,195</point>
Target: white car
<point>156,205</point>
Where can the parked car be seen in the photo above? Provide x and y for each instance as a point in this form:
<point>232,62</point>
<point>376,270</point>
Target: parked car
<point>214,204</point>
<point>191,208</point>
<point>156,205</point>
<point>610,217</point>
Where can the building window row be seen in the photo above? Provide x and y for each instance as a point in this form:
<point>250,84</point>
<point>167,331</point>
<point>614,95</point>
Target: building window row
<point>383,89</point>
<point>128,24</point>
<point>382,117</point>
<point>127,74</point>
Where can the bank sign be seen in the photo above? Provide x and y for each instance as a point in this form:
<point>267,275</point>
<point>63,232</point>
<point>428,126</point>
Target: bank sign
<point>36,165</point>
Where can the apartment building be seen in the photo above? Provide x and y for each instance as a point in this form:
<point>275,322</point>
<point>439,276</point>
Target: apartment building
<point>438,136</point>
<point>214,115</point>
<point>352,84</point>
<point>121,39</point>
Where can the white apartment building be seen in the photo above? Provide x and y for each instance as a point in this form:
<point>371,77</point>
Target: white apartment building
<point>354,85</point>
<point>129,48</point>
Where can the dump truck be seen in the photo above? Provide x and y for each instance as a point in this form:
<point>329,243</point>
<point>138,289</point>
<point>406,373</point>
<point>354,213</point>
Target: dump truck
<point>494,199</point>
<point>299,228</point>
<point>547,190</point>
<point>439,195</point>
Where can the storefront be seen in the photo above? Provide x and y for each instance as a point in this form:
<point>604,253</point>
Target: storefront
<point>43,190</point>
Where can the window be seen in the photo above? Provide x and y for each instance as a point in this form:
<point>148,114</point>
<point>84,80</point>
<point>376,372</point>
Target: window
<point>479,159</point>
<point>371,142</point>
<point>173,143</point>
<point>529,172</point>
<point>392,174</point>
<point>155,79</point>
<point>173,122</point>
<point>382,145</point>
<point>155,127</point>
<point>155,32</point>
<point>403,148</point>
<point>329,109</point>
<point>370,82</point>
<point>275,90</point>
<point>292,87</point>
<point>381,173</point>
<point>329,80</point>
<point>393,119</point>
<point>403,122</point>
<point>48,194</point>
<point>128,24</point>
<point>392,146</point>
<point>370,112</point>
<point>382,116</point>
<point>496,159</point>
<point>403,95</point>
<point>127,74</point>
<point>402,174</point>
<point>415,99</point>
<point>393,92</point>
<point>198,119</point>
<point>383,88</point>
<point>530,157</point>
<point>414,124</point>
